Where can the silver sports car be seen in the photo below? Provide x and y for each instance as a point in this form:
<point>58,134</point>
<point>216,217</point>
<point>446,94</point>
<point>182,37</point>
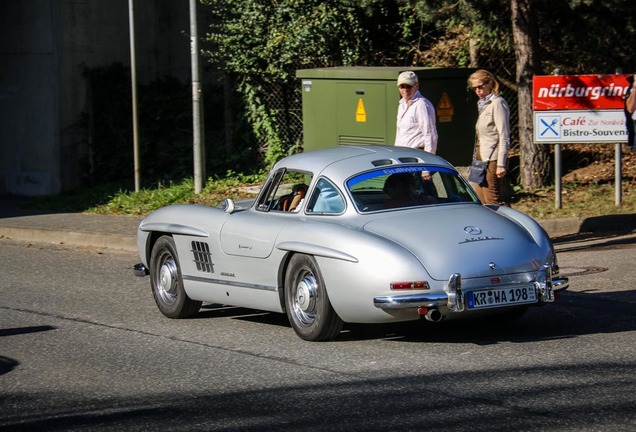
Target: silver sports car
<point>351,234</point>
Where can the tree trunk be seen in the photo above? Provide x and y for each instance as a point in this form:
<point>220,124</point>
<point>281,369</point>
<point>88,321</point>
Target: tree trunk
<point>535,158</point>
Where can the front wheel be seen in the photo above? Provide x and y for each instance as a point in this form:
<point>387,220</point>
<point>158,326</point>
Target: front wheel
<point>167,283</point>
<point>307,303</point>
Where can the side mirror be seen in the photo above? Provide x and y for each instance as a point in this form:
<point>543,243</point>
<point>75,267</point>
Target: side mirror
<point>228,205</point>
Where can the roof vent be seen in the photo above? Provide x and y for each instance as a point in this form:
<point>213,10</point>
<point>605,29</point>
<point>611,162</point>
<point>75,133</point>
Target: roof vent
<point>381,162</point>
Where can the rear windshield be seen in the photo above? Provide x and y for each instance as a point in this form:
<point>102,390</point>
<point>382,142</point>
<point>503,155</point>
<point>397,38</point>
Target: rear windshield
<point>408,186</point>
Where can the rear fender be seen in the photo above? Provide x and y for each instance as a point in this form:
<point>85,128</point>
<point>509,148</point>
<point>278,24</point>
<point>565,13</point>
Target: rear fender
<point>539,235</point>
<point>294,247</point>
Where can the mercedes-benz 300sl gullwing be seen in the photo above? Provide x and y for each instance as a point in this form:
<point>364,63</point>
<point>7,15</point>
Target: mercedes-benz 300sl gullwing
<point>351,234</point>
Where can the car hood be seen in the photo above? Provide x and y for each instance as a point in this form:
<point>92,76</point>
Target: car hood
<point>472,240</point>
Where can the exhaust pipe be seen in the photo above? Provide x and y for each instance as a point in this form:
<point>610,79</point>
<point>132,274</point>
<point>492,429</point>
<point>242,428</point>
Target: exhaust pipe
<point>434,315</point>
<point>140,270</point>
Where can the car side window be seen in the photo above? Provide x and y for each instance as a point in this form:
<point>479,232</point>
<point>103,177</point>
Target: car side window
<point>285,191</point>
<point>326,199</point>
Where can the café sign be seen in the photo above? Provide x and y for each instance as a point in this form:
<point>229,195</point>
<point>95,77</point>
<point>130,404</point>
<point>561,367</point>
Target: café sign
<point>579,108</point>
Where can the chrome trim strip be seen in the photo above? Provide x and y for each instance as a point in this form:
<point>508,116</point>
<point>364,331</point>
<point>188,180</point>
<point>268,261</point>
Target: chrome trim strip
<point>231,283</point>
<point>312,249</point>
<point>406,301</point>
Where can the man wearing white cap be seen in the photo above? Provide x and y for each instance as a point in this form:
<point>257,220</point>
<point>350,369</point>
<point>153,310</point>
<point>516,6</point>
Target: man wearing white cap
<point>416,116</point>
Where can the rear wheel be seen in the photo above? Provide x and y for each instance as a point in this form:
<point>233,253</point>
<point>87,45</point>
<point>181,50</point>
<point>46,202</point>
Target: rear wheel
<point>167,283</point>
<point>308,307</point>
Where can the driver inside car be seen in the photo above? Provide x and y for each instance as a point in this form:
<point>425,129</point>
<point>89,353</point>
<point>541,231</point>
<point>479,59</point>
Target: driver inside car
<point>402,192</point>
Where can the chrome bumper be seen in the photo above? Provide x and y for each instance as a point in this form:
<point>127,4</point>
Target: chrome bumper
<point>560,283</point>
<point>411,301</point>
<point>453,297</point>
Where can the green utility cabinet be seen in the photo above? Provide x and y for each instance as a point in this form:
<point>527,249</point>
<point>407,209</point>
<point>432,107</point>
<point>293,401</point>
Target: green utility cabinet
<point>358,105</point>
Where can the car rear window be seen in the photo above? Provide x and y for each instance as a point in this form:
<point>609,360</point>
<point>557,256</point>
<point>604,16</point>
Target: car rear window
<point>408,186</point>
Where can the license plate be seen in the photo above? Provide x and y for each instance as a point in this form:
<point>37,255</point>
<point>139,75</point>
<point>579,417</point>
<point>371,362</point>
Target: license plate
<point>501,297</point>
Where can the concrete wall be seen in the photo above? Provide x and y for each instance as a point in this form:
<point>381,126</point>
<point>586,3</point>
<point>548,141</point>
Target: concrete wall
<point>44,46</point>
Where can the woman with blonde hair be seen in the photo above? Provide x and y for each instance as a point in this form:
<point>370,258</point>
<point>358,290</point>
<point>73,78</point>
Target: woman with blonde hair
<point>492,136</point>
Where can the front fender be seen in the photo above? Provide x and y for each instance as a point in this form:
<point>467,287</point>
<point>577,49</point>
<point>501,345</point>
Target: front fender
<point>182,219</point>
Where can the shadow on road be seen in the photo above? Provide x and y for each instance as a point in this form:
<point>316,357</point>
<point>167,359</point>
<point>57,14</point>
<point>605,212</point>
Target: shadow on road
<point>531,398</point>
<point>595,242</point>
<point>574,314</point>
<point>24,330</point>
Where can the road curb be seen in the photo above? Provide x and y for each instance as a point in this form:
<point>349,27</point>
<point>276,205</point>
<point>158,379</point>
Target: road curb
<point>77,229</point>
<point>596,224</point>
<point>109,241</point>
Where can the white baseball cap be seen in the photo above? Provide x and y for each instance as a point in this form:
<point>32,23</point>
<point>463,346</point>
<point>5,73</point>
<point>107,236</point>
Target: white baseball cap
<point>408,78</point>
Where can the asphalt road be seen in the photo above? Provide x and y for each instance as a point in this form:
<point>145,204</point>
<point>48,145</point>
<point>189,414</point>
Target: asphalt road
<point>83,347</point>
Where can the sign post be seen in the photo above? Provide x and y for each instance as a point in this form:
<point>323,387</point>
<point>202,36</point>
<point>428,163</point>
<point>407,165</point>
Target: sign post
<point>580,109</point>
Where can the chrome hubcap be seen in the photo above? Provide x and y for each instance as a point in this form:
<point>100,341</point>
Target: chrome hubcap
<point>305,299</point>
<point>167,286</point>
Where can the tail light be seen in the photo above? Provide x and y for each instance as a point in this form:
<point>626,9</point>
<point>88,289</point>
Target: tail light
<point>417,285</point>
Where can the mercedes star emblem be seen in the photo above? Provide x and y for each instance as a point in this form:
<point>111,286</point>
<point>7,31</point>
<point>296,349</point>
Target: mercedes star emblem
<point>472,230</point>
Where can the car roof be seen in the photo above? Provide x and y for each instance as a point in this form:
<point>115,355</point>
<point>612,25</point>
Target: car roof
<point>343,161</point>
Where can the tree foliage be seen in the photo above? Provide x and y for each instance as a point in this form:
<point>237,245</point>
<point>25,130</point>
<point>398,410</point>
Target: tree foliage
<point>575,36</point>
<point>484,22</point>
<point>272,39</point>
<point>265,41</point>
<point>587,36</point>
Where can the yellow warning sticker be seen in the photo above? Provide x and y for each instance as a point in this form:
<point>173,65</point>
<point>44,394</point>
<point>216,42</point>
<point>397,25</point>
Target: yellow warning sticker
<point>445,109</point>
<point>361,113</point>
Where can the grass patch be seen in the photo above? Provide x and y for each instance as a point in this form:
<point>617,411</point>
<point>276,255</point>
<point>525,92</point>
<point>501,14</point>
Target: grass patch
<point>577,200</point>
<point>114,200</point>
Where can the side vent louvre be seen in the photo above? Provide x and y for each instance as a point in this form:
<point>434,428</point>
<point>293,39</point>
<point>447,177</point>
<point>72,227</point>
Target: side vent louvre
<point>202,257</point>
